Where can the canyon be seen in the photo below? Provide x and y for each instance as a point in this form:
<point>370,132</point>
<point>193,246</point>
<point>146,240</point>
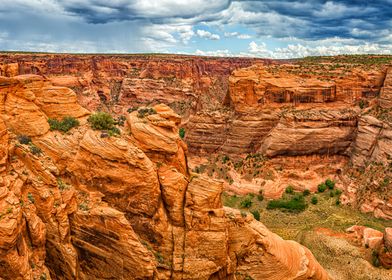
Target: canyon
<point>146,204</point>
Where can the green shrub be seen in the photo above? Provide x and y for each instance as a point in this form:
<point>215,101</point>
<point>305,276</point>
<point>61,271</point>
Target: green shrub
<point>120,120</point>
<point>35,150</point>
<point>256,215</point>
<point>225,159</point>
<point>331,194</point>
<point>30,197</point>
<point>62,186</point>
<point>103,121</point>
<point>322,187</point>
<point>290,189</point>
<point>338,192</point>
<point>181,132</point>
<point>83,206</point>
<point>260,197</point>
<point>297,203</point>
<point>337,202</point>
<point>314,200</point>
<point>375,259</point>
<point>65,125</point>
<point>330,184</point>
<point>24,139</point>
<point>246,203</point>
<point>132,109</point>
<point>306,192</point>
<point>142,112</point>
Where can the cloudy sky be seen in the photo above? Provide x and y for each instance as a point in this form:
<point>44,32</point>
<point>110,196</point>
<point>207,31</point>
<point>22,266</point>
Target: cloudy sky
<point>260,28</point>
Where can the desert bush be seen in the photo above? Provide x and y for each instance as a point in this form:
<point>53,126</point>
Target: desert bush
<point>225,159</point>
<point>289,190</point>
<point>24,139</point>
<point>295,204</point>
<point>143,112</point>
<point>330,184</point>
<point>132,109</point>
<point>120,120</point>
<point>35,150</point>
<point>30,197</point>
<point>322,187</point>
<point>64,125</point>
<point>314,200</point>
<point>256,215</point>
<point>83,206</point>
<point>181,132</point>
<point>375,259</point>
<point>246,203</point>
<point>306,192</point>
<point>103,121</point>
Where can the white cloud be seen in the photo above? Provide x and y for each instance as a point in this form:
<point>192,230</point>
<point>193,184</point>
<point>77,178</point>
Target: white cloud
<point>207,35</point>
<point>237,35</point>
<point>317,49</point>
<point>220,53</point>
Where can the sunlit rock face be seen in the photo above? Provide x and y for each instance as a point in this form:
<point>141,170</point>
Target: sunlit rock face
<point>87,205</point>
<point>319,110</point>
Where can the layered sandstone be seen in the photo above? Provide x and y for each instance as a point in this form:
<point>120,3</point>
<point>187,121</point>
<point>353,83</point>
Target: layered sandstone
<point>92,206</point>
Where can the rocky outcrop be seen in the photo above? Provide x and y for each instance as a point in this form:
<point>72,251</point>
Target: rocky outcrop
<point>88,205</point>
<point>369,188</point>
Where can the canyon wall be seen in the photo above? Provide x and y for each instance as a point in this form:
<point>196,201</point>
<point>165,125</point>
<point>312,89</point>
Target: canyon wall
<point>123,81</point>
<point>336,110</point>
<point>87,205</point>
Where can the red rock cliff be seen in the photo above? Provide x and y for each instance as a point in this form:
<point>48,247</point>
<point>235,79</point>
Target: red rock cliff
<point>86,205</point>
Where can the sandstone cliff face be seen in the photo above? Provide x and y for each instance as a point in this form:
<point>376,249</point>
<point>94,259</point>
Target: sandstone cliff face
<point>88,206</point>
<point>371,153</point>
<point>123,81</point>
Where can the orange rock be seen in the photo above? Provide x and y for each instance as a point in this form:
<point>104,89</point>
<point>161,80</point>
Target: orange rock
<point>125,207</point>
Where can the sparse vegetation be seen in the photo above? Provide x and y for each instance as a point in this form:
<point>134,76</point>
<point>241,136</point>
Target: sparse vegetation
<point>35,150</point>
<point>247,202</point>
<point>314,200</point>
<point>30,197</point>
<point>24,139</point>
<point>83,206</point>
<point>132,109</point>
<point>181,132</point>
<point>256,214</point>
<point>330,184</point>
<point>306,192</point>
<point>103,121</point>
<point>120,120</point>
<point>375,259</point>
<point>62,186</point>
<point>143,112</point>
<point>64,125</point>
<point>295,204</point>
<point>289,190</point>
<point>321,187</point>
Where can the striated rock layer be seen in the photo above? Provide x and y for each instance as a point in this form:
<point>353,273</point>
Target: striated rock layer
<point>85,205</point>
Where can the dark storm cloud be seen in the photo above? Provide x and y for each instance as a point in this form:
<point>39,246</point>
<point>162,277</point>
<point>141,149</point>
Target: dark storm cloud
<point>100,12</point>
<point>320,19</point>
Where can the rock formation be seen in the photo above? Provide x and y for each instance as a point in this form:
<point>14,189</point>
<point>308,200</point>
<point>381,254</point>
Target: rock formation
<point>87,205</point>
<point>314,111</point>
